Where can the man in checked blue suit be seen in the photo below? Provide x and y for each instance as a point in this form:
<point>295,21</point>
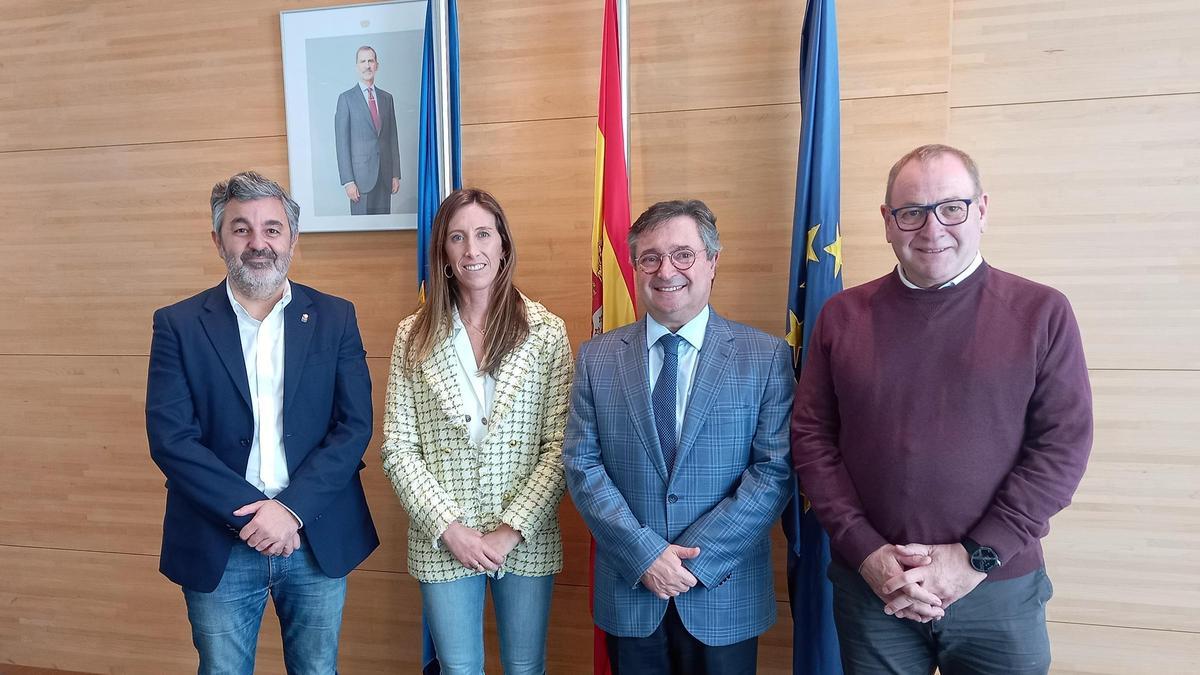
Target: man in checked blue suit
<point>258,410</point>
<point>676,455</point>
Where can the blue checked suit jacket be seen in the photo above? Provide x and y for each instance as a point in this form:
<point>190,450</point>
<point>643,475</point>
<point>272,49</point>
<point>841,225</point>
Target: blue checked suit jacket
<point>728,488</point>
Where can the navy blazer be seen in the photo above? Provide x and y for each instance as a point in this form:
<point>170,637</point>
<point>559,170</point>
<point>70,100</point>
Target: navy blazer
<point>731,478</point>
<point>200,424</point>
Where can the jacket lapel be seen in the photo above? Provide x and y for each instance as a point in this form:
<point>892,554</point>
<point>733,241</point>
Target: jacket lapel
<point>439,370</point>
<point>299,320</point>
<point>633,366</point>
<point>511,377</point>
<point>716,357</point>
<point>220,324</point>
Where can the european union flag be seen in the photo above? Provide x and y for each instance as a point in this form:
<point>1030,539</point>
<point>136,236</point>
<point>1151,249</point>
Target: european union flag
<point>429,182</point>
<point>429,195</point>
<point>816,274</point>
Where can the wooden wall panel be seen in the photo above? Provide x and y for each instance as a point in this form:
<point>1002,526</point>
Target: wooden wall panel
<point>1100,650</point>
<point>1098,199</point>
<point>1026,50</point>
<point>893,48</point>
<point>83,74</point>
<point>528,60</point>
<point>703,54</point>
<point>1136,509</point>
<point>77,472</point>
<point>689,55</point>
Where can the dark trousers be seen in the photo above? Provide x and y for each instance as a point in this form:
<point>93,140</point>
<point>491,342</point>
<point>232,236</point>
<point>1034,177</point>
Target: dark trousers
<point>671,650</point>
<point>1000,627</point>
<point>377,201</point>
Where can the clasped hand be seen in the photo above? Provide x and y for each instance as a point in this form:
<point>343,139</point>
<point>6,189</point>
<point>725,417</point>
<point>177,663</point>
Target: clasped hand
<point>272,531</point>
<point>667,577</point>
<point>477,551</point>
<point>919,581</point>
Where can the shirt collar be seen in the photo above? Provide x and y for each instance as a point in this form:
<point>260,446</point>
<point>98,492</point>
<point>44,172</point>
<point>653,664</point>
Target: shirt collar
<point>241,311</point>
<point>953,282</point>
<point>364,87</point>
<point>692,331</point>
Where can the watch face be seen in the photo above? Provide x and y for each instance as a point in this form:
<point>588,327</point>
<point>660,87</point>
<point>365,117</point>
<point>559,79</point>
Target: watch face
<point>984,559</point>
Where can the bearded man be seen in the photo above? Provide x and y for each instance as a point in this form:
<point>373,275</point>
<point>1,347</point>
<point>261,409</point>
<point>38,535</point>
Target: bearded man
<point>258,411</point>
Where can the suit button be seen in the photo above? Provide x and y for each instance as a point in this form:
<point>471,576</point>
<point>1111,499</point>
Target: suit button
<point>468,419</point>
<point>483,421</point>
<point>671,498</point>
<point>245,442</point>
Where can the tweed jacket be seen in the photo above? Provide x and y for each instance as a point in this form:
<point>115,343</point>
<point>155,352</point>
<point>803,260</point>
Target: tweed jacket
<point>513,476</point>
<point>731,477</point>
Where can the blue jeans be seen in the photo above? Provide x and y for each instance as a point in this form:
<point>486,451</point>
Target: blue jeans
<point>454,613</point>
<point>309,604</point>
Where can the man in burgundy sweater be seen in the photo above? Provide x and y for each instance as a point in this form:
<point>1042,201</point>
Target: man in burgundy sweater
<point>942,417</point>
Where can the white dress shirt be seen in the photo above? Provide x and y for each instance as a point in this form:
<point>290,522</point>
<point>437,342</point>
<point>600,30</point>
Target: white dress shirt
<point>953,282</point>
<point>262,350</point>
<point>477,389</point>
<point>692,333</point>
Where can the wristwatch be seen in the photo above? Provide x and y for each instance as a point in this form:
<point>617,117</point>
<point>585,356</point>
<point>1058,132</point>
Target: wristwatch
<point>983,558</point>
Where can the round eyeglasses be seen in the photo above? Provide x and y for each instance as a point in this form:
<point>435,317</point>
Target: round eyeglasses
<point>682,259</point>
<point>949,213</point>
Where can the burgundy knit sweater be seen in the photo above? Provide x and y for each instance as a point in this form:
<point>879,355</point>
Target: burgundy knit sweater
<point>925,415</point>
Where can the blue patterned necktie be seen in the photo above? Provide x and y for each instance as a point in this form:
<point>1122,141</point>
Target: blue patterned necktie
<point>663,399</point>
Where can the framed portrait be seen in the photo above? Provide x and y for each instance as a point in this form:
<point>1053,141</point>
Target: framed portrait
<point>352,85</point>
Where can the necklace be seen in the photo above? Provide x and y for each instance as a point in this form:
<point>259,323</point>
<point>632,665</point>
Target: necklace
<point>468,324</point>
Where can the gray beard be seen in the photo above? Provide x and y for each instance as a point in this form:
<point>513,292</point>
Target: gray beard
<point>257,283</point>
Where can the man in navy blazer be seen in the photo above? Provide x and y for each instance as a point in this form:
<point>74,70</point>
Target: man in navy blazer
<point>366,140</point>
<point>676,455</point>
<point>258,411</point>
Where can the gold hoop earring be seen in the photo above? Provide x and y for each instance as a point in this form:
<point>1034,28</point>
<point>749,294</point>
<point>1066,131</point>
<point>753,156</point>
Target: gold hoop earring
<point>447,271</point>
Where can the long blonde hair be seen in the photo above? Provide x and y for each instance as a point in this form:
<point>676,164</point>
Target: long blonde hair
<point>507,325</point>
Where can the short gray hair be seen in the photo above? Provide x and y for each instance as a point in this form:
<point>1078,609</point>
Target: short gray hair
<point>248,186</point>
<point>651,218</point>
<point>926,153</point>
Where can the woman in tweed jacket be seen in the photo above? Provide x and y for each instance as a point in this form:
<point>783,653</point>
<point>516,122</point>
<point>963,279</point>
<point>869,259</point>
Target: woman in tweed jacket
<point>473,429</point>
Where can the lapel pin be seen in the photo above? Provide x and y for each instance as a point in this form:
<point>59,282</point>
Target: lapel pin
<point>303,318</point>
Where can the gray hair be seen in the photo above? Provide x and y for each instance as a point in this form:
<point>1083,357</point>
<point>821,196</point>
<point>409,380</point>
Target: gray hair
<point>926,153</point>
<point>651,218</point>
<point>248,186</point>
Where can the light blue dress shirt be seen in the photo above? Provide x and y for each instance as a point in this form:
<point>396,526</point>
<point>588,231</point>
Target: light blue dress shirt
<point>692,333</point>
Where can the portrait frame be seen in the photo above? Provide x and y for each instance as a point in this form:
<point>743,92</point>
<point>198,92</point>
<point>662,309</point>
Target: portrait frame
<point>319,48</point>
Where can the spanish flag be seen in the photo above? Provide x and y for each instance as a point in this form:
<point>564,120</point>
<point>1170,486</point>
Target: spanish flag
<point>612,267</point>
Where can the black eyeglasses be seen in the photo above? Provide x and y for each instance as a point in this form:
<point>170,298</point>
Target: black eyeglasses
<point>682,259</point>
<point>949,213</point>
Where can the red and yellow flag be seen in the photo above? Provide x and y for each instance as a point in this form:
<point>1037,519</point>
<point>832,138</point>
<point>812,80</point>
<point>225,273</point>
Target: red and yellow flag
<point>612,269</point>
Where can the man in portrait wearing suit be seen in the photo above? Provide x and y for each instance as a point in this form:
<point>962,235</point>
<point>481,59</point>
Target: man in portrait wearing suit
<point>258,410</point>
<point>368,148</point>
<point>676,455</point>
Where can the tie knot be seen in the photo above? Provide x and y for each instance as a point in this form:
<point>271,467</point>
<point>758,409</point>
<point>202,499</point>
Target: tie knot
<point>670,344</point>
<point>370,92</point>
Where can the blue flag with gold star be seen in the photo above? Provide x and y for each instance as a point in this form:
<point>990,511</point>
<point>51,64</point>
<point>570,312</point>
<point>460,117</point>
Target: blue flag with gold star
<point>816,274</point>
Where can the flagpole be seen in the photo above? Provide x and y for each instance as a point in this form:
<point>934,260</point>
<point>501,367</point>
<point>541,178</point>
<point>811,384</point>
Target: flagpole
<point>441,22</point>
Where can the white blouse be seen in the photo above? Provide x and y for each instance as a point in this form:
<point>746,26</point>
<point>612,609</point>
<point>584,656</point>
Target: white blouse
<point>477,389</point>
